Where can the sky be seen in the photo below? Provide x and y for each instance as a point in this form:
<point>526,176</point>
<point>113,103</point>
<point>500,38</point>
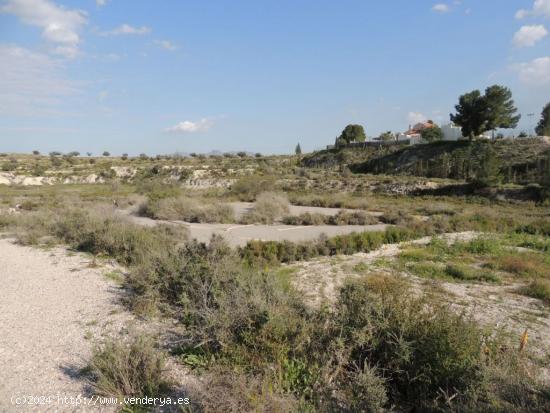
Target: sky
<point>158,77</point>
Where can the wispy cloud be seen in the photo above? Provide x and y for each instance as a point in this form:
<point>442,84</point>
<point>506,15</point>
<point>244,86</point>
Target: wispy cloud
<point>59,25</point>
<point>32,83</point>
<point>528,36</point>
<point>536,72</point>
<point>540,8</point>
<point>166,44</point>
<point>441,8</point>
<point>416,117</point>
<point>190,127</point>
<point>126,29</point>
<point>101,3</point>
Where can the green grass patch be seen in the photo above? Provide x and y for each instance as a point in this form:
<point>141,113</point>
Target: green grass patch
<point>538,288</point>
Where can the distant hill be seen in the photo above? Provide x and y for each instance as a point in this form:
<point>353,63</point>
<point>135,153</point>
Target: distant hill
<point>519,160</point>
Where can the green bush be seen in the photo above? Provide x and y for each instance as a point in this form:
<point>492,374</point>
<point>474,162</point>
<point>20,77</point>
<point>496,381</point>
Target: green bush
<point>420,349</point>
<point>270,252</point>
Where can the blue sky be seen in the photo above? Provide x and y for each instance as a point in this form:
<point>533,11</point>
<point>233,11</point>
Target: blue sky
<point>193,76</point>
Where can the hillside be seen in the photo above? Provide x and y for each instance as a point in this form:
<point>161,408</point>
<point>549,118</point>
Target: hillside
<point>331,158</point>
<point>518,161</point>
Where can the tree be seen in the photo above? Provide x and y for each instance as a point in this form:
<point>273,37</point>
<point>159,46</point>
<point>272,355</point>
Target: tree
<point>543,127</point>
<point>477,113</point>
<point>89,153</point>
<point>471,114</point>
<point>387,136</point>
<point>501,112</point>
<point>432,134</point>
<point>106,153</point>
<point>489,167</point>
<point>36,152</point>
<point>124,156</point>
<point>298,149</point>
<point>353,133</point>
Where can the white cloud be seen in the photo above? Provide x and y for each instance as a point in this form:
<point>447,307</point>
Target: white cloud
<point>527,36</point>
<point>535,72</point>
<point>540,8</point>
<point>441,8</point>
<point>416,117</point>
<point>100,3</point>
<point>59,25</point>
<point>166,44</point>
<point>190,127</point>
<point>32,83</point>
<point>125,29</point>
<point>521,14</point>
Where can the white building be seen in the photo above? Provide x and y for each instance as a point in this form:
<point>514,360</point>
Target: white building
<point>451,132</point>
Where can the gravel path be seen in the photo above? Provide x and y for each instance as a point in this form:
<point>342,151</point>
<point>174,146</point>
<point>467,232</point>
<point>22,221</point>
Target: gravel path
<point>52,307</point>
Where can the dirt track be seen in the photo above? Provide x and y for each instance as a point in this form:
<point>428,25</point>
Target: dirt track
<point>52,306</point>
<point>239,235</point>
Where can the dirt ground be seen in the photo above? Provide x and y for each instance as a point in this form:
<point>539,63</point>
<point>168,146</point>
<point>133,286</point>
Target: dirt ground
<point>54,307</point>
<point>238,235</point>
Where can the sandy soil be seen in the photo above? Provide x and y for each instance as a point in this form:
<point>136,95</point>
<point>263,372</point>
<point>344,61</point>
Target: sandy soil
<point>53,307</point>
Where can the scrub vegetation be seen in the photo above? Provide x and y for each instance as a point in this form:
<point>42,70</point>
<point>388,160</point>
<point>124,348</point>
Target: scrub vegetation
<point>246,328</point>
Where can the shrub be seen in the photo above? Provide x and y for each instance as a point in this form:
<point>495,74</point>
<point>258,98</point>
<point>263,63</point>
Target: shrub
<point>119,369</point>
<point>268,207</point>
<point>262,252</point>
<point>249,187</point>
<point>188,209</point>
<point>226,390</point>
<point>538,227</point>
<point>480,246</point>
<point>9,166</point>
<point>523,265</point>
<point>352,218</point>
<point>465,273</point>
<point>538,288</point>
<point>100,233</point>
<point>419,348</point>
<point>307,218</point>
<point>155,190</point>
<point>396,218</point>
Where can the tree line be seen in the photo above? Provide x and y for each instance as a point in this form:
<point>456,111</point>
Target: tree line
<point>475,113</point>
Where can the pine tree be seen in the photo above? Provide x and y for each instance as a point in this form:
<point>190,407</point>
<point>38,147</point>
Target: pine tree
<point>489,168</point>
<point>543,128</point>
